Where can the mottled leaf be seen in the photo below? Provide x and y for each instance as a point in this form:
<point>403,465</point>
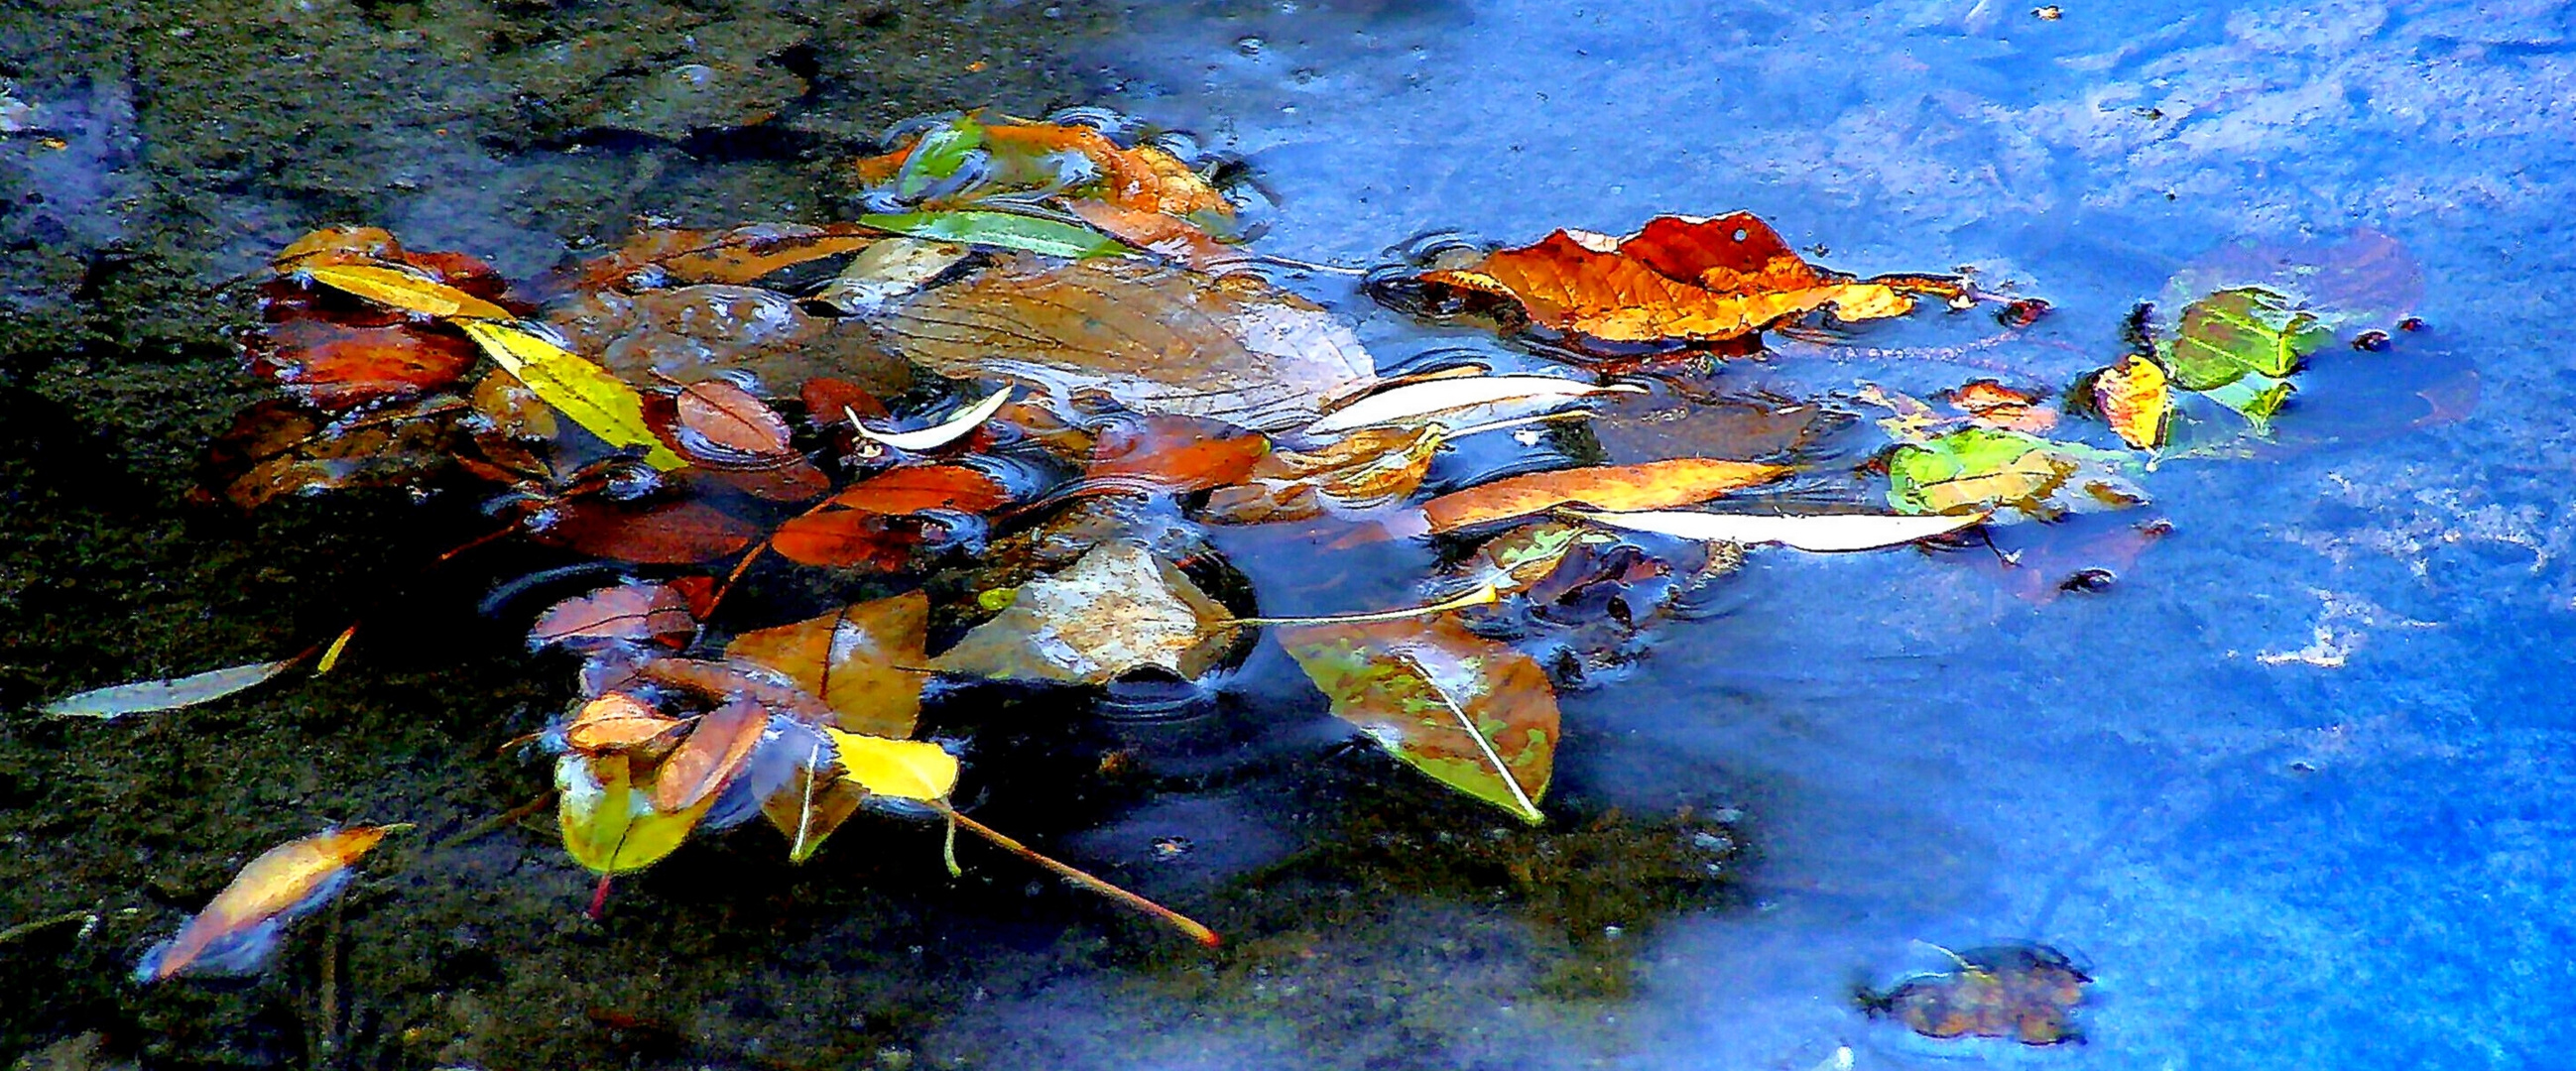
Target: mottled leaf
<point>1116,610</point>
<point>864,661</point>
<point>601,403</point>
<point>1474,714</point>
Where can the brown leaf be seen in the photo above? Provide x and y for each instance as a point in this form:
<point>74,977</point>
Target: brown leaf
<point>723,424</point>
<point>737,256</point>
<point>667,533</point>
<point>1362,471</point>
<point>691,333</point>
<point>617,722</point>
<point>864,661</point>
<point>718,682</point>
<point>1178,453</point>
<point>1170,236</point>
<point>830,401</point>
<point>812,804</point>
<point>1676,280</point>
<point>1653,485</point>
<point>276,448</point>
<point>711,757</point>
<point>1159,340</point>
<point>1116,610</point>
<point>619,613</point>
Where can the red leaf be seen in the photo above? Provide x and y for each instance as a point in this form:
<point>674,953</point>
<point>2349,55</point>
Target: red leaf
<point>1188,453</point>
<point>795,481</point>
<point>614,614</point>
<point>673,533</point>
<point>921,487</point>
<point>725,424</point>
<point>714,752</point>
<point>336,367</point>
<point>825,398</point>
<point>844,539</point>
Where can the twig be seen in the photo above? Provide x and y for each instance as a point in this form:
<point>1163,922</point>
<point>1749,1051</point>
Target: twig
<point>1178,921</point>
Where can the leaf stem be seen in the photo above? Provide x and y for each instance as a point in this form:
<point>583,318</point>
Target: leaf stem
<point>1177,921</point>
<point>1486,595</point>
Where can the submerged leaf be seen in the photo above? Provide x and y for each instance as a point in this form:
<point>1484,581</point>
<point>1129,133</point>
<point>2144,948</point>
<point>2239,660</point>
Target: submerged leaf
<point>1177,453</point>
<point>1159,340</point>
<point>1653,485</point>
<point>684,532</point>
<point>2233,333</point>
<point>1981,470</point>
<point>616,721</point>
<point>601,403</point>
<point>812,804</point>
<point>864,661</point>
<point>607,825</point>
<point>1116,610</point>
<point>619,613</point>
<point>711,757</point>
<point>1474,714</point>
<point>1364,471</point>
<point>337,367</point>
<point>144,697</point>
<point>239,927</point>
<point>915,770</point>
<point>725,424</point>
<point>890,269</point>
<point>1431,398</point>
<point>1816,532</point>
<point>665,258</point>
<point>1001,230</point>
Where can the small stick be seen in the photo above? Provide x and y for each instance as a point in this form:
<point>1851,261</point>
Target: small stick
<point>492,825</point>
<point>1178,921</point>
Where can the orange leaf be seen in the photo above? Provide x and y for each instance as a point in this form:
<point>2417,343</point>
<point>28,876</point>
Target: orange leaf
<point>674,533</point>
<point>861,661</point>
<point>724,681</point>
<point>708,760</point>
<point>919,487</point>
<point>1183,453</point>
<point>1653,485</point>
<point>843,539</point>
<point>336,367</point>
<point>830,401</point>
<point>1677,280</point>
<point>2135,397</point>
<point>1171,236</point>
<point>616,722</point>
<point>240,925</point>
<point>740,255</point>
<point>723,423</point>
<point>1143,178</point>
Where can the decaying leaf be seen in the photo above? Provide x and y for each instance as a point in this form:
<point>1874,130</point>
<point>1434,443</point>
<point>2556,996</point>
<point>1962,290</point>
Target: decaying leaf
<point>1029,156</point>
<point>1177,453</point>
<point>914,770</point>
<point>812,804</point>
<point>684,334</point>
<point>2132,395</point>
<point>1474,714</point>
<point>240,926</point>
<point>1442,399</point>
<point>1360,472</point>
<point>277,448</point>
<point>607,825</point>
<point>864,661</point>
<point>601,403</point>
<point>1653,485</point>
<point>2235,333</point>
<point>723,424</point>
<point>1118,609</point>
<point>890,269</point>
<point>711,757</point>
<point>2028,993</point>
<point>1814,532</point>
<point>1678,280</point>
<point>1989,403</point>
<point>144,697</point>
<point>337,366</point>
<point>1001,230</point>
<point>664,258</point>
<point>1981,470</point>
<point>618,613</point>
<point>683,532</point>
<point>1159,340</point>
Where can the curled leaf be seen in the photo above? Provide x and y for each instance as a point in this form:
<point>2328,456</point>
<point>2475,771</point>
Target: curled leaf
<point>240,926</point>
<point>946,431</point>
<point>616,721</point>
<point>1430,398</point>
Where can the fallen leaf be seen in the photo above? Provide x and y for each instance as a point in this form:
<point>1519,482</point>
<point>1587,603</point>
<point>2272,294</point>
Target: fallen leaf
<point>1652,485</point>
<point>2024,992</point>
<point>617,721</point>
<point>890,269</point>
<point>607,825</point>
<point>405,289</point>
<point>616,614</point>
<point>844,539</point>
<point>1358,473</point>
<point>1982,470</point>
<point>1001,230</point>
<point>724,682</point>
<point>1476,715</point>
<point>1171,237</point>
<point>683,532</point>
<point>339,245</point>
<point>2233,333</point>
<point>1159,340</point>
<point>957,426</point>
<point>336,367</point>
<point>2132,396</point>
<point>1817,532</point>
<point>914,488</point>
<point>667,258</point>
<point>144,697</point>
<point>813,803</point>
<point>725,424</point>
<point>864,661</point>
<point>599,402</point>
<point>711,756</point>
<point>1116,610</point>
<point>685,334</point>
<point>1991,404</point>
<point>915,770</point>
<point>1025,156</point>
<point>1430,398</point>
<point>276,448</point>
<point>1677,279</point>
<point>240,926</point>
<point>1177,453</point>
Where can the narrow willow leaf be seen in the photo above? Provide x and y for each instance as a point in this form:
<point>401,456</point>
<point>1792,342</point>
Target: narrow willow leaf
<point>947,431</point>
<point>1427,399</point>
<point>593,398</point>
<point>1820,533</point>
<point>240,926</point>
<point>405,290</point>
<point>145,697</point>
<point>1005,230</point>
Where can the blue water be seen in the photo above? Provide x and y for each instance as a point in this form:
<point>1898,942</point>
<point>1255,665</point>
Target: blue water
<point>2295,788</point>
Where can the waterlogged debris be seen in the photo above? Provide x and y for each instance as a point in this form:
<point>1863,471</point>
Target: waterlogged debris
<point>864,661</point>
<point>958,425</point>
<point>1822,533</point>
<point>912,770</point>
<point>2028,993</point>
<point>607,825</point>
<point>1158,340</point>
<point>601,403</point>
<point>240,926</point>
<point>1653,485</point>
<point>1026,157</point>
<point>1981,471</point>
<point>1677,280</point>
<point>1364,471</point>
<point>145,697</point>
<point>1474,714</point>
<point>1002,230</point>
<point>851,529</point>
<point>684,334</point>
<point>1117,610</point>
<point>1430,399</point>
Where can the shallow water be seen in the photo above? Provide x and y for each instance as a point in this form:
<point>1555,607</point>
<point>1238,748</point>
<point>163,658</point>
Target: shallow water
<point>2291,788</point>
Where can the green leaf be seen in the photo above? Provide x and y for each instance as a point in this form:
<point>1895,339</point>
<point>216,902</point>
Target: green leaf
<point>593,397</point>
<point>2256,398</point>
<point>1474,714</point>
<point>1979,470</point>
<point>607,825</point>
<point>938,155</point>
<point>2233,333</point>
<point>1007,230</point>
<point>144,697</point>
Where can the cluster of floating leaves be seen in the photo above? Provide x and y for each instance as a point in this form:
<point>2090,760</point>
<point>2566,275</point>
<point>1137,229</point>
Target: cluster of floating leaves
<point>1043,360</point>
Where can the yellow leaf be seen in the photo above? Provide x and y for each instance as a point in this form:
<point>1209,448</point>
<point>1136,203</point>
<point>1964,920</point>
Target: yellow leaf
<point>903,769</point>
<point>240,925</point>
<point>607,825</point>
<point>2133,396</point>
<point>407,291</point>
<point>593,398</point>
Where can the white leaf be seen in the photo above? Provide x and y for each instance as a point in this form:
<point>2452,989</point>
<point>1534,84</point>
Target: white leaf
<point>147,696</point>
<point>1415,401</point>
<point>1821,532</point>
<point>946,431</point>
